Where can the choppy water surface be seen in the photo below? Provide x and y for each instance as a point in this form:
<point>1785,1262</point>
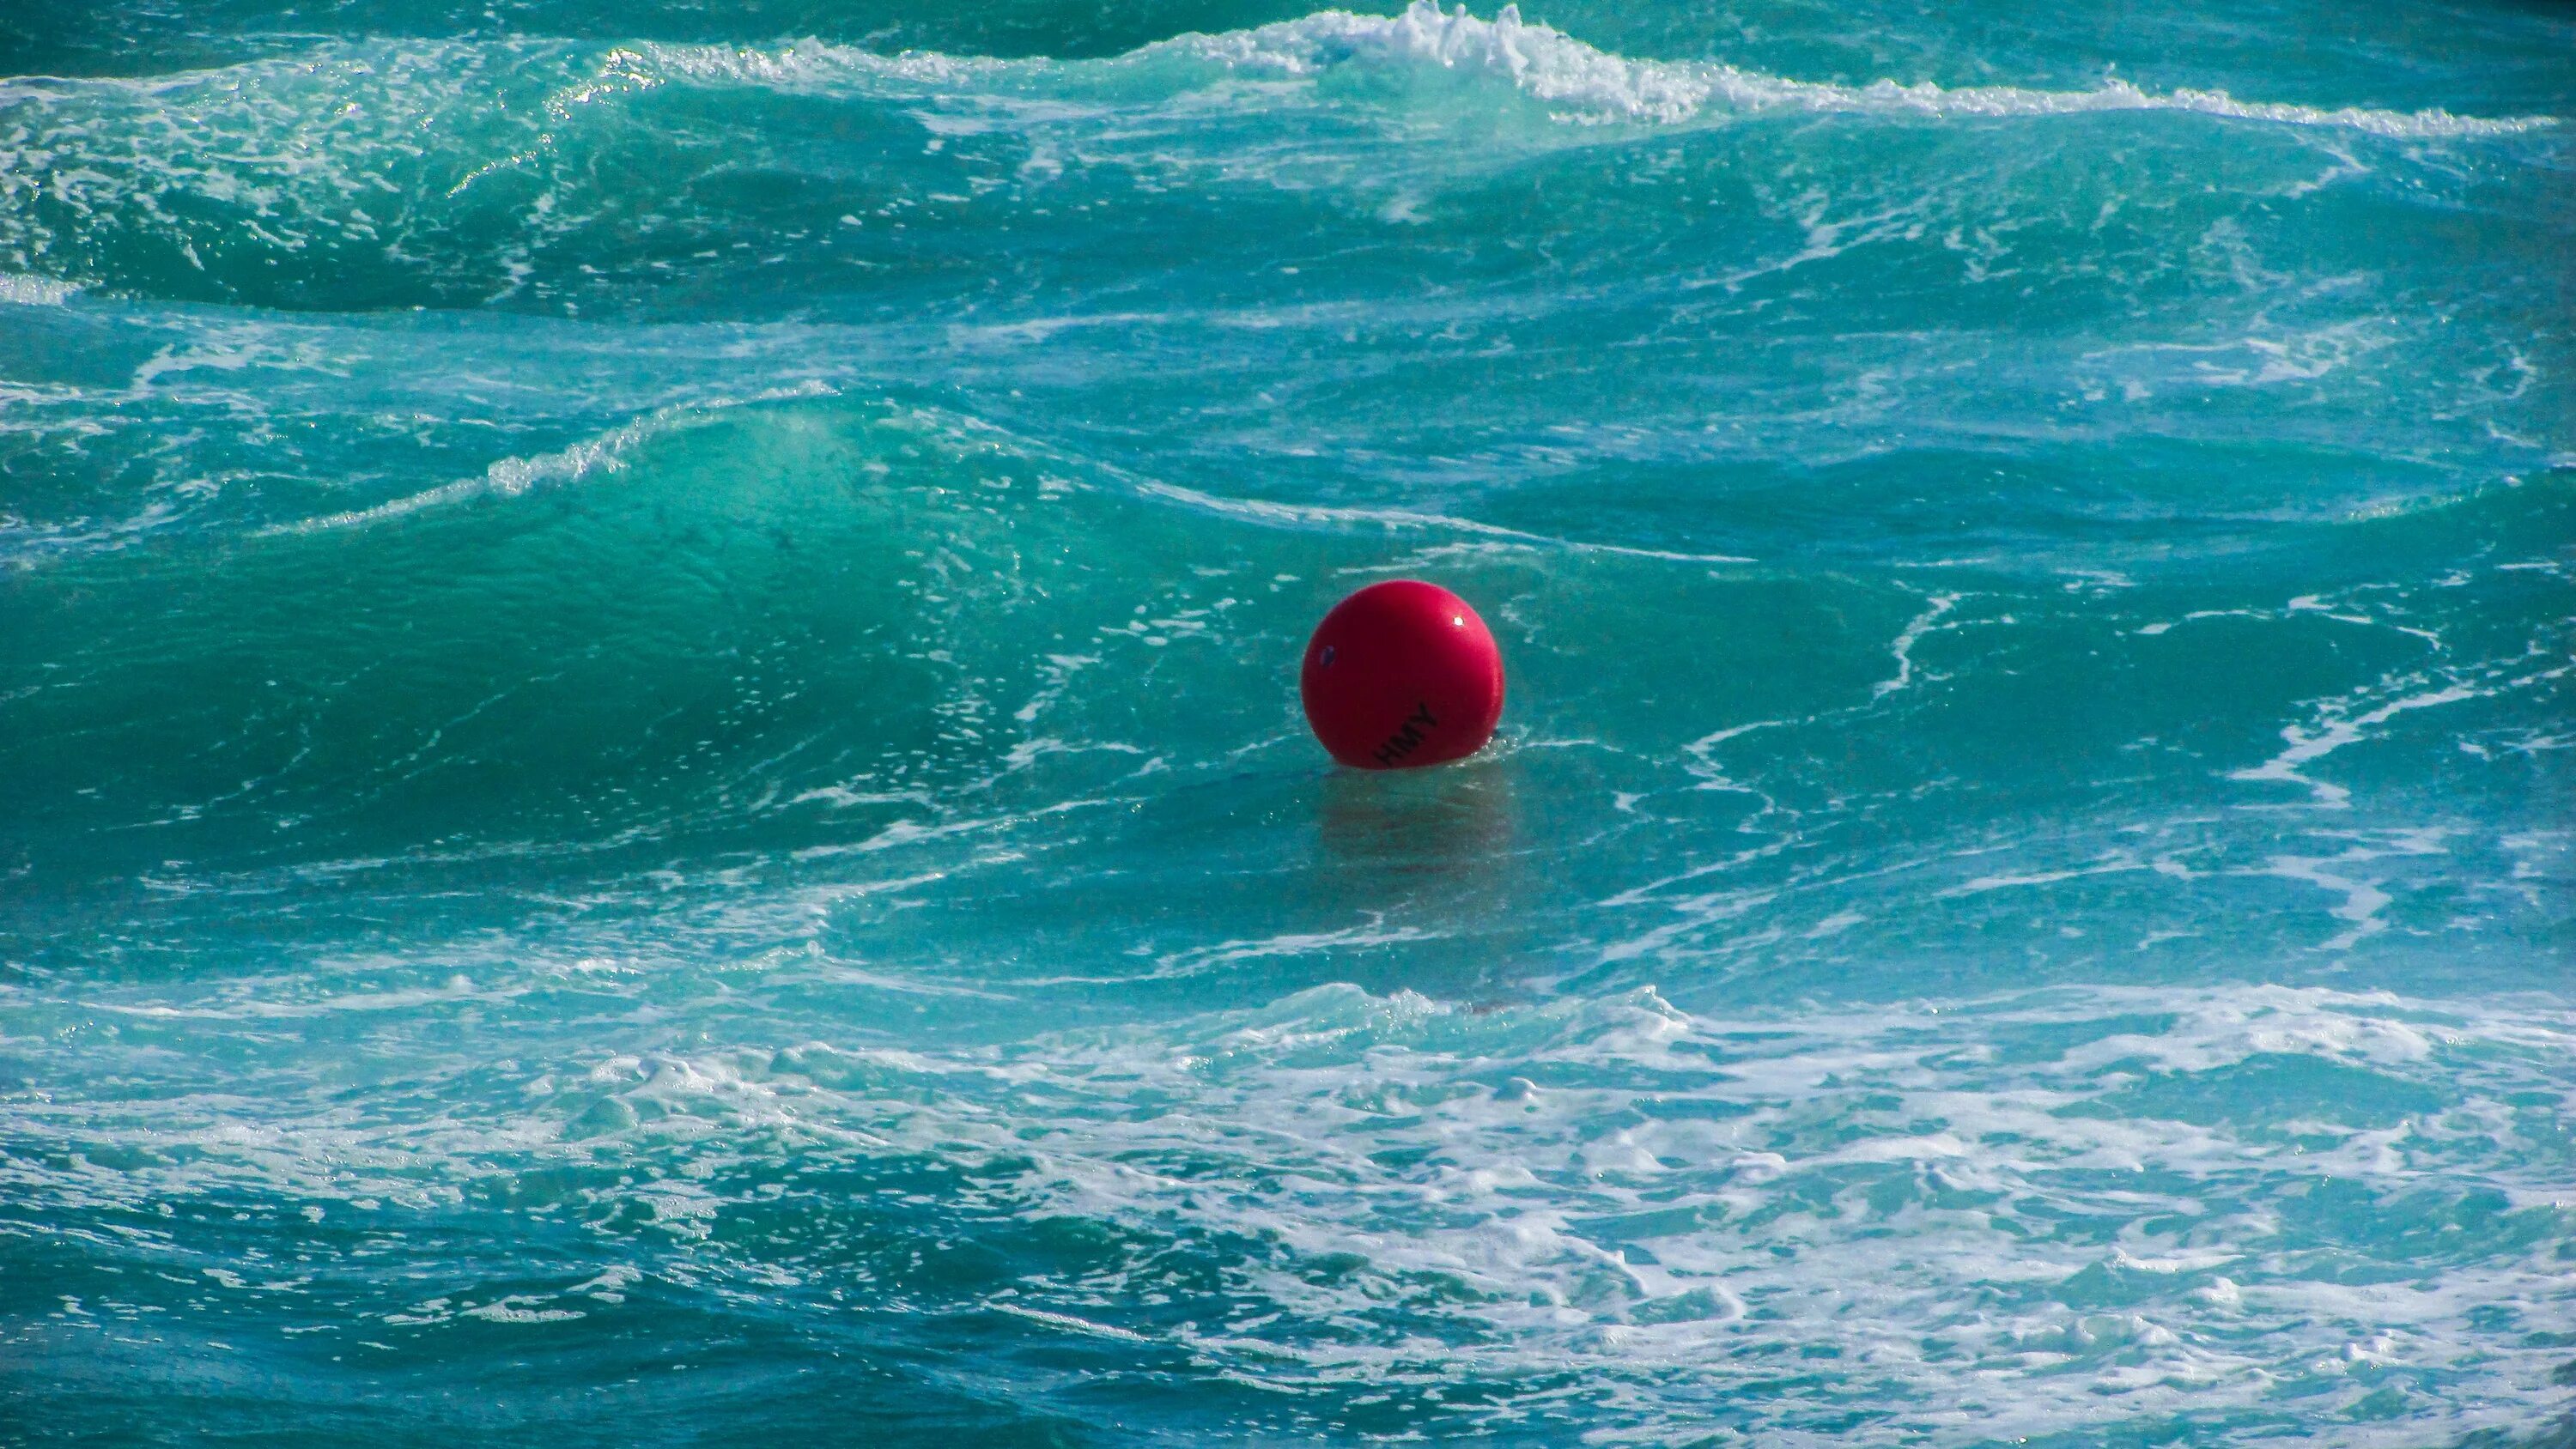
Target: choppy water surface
<point>650,789</point>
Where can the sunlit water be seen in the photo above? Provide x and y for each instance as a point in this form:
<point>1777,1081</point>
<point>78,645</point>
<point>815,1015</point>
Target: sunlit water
<point>650,789</point>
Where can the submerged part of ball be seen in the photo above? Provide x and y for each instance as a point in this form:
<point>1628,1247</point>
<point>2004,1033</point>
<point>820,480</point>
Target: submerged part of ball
<point>1400,674</point>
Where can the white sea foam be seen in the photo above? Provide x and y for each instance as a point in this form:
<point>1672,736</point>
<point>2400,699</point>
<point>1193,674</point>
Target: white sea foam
<point>1553,67</point>
<point>18,289</point>
<point>2115,1216</point>
<point>1406,519</point>
<point>2343,722</point>
<point>605,453</point>
<point>1902,649</point>
<point>324,150</point>
<point>1580,80</point>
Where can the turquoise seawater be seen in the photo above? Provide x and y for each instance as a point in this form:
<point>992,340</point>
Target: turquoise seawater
<point>651,790</point>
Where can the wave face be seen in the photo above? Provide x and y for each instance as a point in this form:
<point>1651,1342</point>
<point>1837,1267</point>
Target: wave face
<point>647,752</point>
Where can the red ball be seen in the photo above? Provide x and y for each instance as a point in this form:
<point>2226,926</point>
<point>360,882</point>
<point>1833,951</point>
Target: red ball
<point>1402,673</point>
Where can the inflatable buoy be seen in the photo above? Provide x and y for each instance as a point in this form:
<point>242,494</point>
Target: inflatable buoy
<point>1400,674</point>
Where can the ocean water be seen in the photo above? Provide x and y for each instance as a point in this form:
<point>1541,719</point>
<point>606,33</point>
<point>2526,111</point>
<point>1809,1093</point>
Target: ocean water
<point>651,792</point>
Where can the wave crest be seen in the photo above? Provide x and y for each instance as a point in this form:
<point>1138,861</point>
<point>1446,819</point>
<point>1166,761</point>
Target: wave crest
<point>1582,81</point>
<point>1558,69</point>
